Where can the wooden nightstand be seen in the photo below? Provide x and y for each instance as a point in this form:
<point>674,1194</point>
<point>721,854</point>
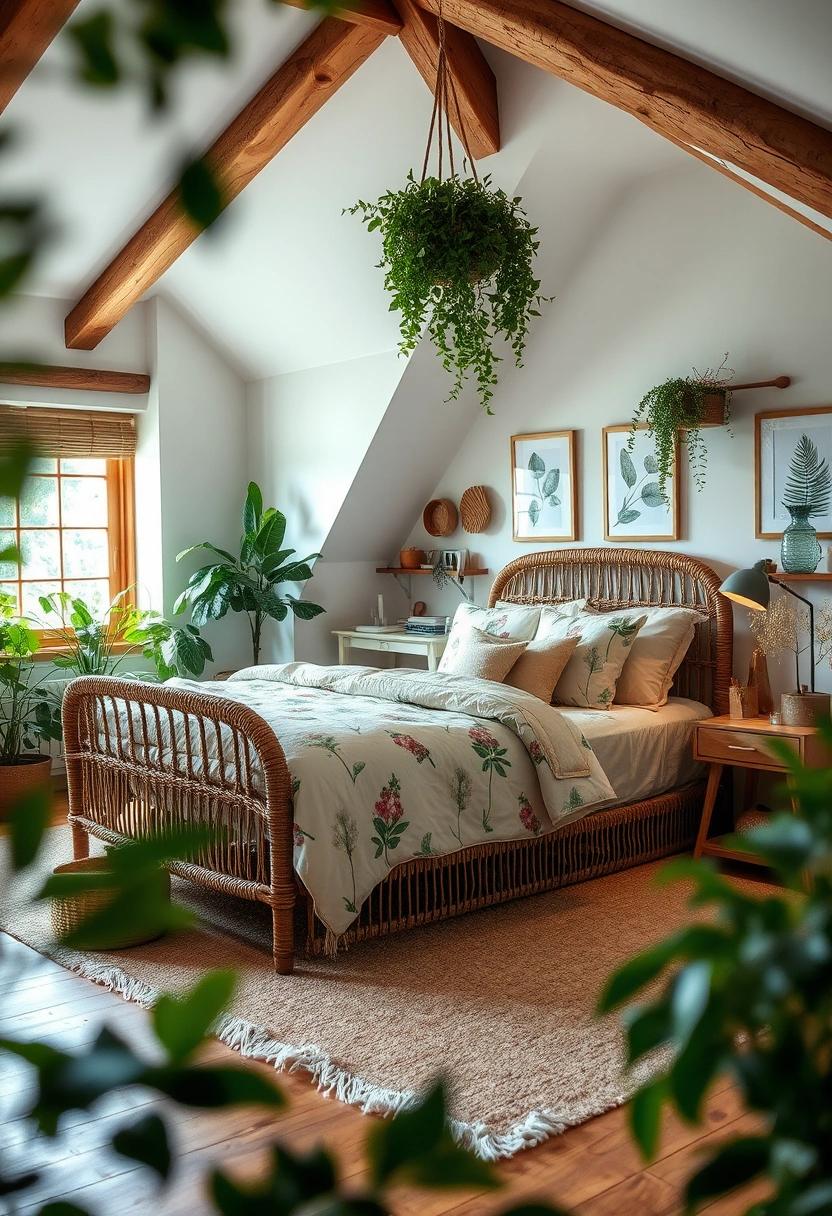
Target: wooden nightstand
<point>746,743</point>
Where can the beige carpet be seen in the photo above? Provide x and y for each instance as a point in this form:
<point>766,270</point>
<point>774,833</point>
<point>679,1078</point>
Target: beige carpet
<point>499,1001</point>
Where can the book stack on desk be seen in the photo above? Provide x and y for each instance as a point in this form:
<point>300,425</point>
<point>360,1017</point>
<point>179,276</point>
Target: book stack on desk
<point>427,626</point>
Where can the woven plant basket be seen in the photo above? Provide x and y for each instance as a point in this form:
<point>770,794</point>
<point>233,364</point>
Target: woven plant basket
<point>475,509</point>
<point>29,773</point>
<point>440,517</point>
<point>713,410</point>
<point>69,914</point>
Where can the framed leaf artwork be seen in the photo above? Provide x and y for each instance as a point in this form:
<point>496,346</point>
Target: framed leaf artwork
<point>634,506</point>
<point>793,455</point>
<point>544,489</point>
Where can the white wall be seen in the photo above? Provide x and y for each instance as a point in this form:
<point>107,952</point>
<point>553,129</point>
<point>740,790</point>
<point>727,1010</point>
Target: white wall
<point>688,266</point>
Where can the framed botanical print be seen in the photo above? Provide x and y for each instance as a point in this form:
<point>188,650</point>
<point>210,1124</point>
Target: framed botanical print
<point>790,447</point>
<point>634,507</point>
<point>544,488</point>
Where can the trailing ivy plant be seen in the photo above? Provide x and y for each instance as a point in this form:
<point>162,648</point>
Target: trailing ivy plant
<point>747,993</point>
<point>457,257</point>
<point>673,412</point>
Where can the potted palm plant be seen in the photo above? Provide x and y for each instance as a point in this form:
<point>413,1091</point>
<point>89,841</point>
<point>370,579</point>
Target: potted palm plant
<point>30,712</point>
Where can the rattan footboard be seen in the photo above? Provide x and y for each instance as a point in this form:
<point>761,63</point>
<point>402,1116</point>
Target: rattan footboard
<point>141,757</point>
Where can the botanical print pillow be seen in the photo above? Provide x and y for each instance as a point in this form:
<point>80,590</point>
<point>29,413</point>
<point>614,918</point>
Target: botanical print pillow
<point>510,622</point>
<point>655,656</point>
<point>485,657</point>
<point>590,677</point>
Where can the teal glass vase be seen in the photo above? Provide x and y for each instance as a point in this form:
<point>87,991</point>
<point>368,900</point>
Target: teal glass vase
<point>799,550</point>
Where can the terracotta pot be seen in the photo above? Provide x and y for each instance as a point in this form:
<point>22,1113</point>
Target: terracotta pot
<point>26,774</point>
<point>411,559</point>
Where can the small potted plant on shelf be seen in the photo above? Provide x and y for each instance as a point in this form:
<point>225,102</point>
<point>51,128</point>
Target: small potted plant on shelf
<point>30,712</point>
<point>678,410</point>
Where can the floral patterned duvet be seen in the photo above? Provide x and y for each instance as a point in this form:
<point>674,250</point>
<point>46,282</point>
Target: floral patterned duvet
<point>390,765</point>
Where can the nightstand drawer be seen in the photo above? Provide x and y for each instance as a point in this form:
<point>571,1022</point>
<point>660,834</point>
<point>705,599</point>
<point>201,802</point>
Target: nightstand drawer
<point>741,747</point>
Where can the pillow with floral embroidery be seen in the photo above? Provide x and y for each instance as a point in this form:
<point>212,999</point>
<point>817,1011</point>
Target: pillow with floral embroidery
<point>511,623</point>
<point>605,640</point>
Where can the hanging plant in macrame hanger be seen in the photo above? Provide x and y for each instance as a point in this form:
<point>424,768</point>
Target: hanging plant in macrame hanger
<point>457,254</point>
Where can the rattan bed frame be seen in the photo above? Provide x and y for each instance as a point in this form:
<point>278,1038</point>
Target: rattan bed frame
<point>122,784</point>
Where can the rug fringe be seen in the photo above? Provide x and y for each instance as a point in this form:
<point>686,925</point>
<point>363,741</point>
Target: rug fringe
<point>255,1042</point>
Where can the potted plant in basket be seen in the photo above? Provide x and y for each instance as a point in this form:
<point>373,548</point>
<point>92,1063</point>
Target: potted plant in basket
<point>30,714</point>
<point>678,410</point>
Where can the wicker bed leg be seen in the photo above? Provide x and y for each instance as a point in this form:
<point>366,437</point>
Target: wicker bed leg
<point>283,940</point>
<point>80,842</point>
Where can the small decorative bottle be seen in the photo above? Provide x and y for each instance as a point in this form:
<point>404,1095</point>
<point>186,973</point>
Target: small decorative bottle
<point>758,678</point>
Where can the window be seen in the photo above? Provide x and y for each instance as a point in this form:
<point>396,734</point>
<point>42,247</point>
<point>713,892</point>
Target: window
<point>74,520</point>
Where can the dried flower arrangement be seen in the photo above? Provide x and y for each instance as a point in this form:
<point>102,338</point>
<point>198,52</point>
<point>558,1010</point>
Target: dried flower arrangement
<point>785,626</point>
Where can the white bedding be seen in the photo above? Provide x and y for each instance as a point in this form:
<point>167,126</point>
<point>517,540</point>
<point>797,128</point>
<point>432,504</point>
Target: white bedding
<point>643,752</point>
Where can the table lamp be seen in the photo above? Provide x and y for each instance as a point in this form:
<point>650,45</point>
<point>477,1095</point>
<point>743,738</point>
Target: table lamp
<point>752,589</point>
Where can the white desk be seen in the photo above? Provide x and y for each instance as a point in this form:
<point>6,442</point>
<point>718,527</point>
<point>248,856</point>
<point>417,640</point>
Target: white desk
<point>396,643</point>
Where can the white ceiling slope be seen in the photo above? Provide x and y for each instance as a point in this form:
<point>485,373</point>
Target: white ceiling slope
<point>288,282</point>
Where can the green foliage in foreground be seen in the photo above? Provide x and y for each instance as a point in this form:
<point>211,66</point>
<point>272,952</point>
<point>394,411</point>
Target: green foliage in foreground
<point>747,992</point>
<point>457,257</point>
<point>247,583</point>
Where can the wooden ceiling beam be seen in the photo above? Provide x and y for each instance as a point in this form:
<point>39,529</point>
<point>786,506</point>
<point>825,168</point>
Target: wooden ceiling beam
<point>677,98</point>
<point>476,87</point>
<point>377,14</point>
<point>27,27</point>
<point>287,101</point>
<point>93,379</point>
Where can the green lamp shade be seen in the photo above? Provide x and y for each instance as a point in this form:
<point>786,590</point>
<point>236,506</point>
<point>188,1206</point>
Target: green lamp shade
<point>748,587</point>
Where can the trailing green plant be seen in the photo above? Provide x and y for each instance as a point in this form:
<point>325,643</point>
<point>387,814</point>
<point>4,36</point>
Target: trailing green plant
<point>30,711</point>
<point>809,482</point>
<point>247,583</point>
<point>100,645</point>
<point>747,993</point>
<point>457,257</point>
<point>673,412</point>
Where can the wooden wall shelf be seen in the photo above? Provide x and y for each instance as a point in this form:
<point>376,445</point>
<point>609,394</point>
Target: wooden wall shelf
<point>404,570</point>
<point>818,576</point>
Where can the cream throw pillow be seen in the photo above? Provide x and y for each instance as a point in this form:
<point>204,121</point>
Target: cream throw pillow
<point>541,665</point>
<point>590,677</point>
<point>486,657</point>
<point>655,655</point>
<point>510,622</point>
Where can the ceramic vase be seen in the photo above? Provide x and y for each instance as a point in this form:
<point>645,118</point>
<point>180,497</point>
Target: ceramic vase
<point>758,678</point>
<point>799,550</point>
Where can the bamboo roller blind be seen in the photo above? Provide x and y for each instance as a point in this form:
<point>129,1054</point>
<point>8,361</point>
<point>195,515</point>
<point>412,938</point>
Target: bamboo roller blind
<point>69,433</point>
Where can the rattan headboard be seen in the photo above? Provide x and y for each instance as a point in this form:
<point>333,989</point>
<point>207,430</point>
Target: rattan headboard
<point>613,578</point>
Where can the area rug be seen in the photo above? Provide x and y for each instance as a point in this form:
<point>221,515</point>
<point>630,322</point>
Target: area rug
<point>500,1002</point>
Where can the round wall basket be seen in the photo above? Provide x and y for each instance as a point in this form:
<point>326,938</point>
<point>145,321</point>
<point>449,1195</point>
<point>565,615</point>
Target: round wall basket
<point>440,517</point>
<point>474,509</point>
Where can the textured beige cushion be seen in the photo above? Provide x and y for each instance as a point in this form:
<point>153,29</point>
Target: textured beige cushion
<point>485,656</point>
<point>541,665</point>
<point>510,622</point>
<point>590,677</point>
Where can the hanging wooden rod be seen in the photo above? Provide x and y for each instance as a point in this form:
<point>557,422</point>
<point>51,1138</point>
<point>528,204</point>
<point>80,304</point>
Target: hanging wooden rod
<point>91,379</point>
<point>779,382</point>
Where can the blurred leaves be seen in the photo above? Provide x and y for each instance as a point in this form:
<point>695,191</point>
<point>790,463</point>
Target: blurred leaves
<point>200,193</point>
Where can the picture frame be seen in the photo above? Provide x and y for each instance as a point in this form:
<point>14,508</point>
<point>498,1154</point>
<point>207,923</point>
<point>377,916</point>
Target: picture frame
<point>627,515</point>
<point>544,486</point>
<point>775,433</point>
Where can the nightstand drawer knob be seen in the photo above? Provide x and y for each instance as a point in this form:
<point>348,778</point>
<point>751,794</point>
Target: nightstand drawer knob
<point>736,747</point>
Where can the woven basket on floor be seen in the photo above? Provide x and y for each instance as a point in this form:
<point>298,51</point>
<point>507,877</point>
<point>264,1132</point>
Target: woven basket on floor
<point>474,509</point>
<point>69,914</point>
<point>30,773</point>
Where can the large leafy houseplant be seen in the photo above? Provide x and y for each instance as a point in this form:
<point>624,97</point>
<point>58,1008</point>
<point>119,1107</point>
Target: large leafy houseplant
<point>247,583</point>
<point>674,412</point>
<point>99,645</point>
<point>747,992</point>
<point>457,256</point>
<point>29,711</point>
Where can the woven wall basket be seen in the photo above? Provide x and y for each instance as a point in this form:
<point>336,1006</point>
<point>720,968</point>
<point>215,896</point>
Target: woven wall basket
<point>69,914</point>
<point>440,517</point>
<point>474,509</point>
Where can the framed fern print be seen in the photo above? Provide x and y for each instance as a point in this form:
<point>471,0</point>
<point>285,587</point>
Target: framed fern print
<point>634,508</point>
<point>792,455</point>
<point>544,488</point>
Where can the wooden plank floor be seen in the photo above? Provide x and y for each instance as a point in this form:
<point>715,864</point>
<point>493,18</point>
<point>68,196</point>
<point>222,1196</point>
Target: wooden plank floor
<point>593,1169</point>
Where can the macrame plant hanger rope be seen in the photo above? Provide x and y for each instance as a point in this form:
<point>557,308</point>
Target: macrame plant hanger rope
<point>440,121</point>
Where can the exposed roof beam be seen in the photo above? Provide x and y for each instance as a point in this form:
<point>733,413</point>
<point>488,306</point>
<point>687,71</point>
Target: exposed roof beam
<point>287,101</point>
<point>378,14</point>
<point>26,29</point>
<point>675,97</point>
<point>94,379</point>
<point>476,88</point>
